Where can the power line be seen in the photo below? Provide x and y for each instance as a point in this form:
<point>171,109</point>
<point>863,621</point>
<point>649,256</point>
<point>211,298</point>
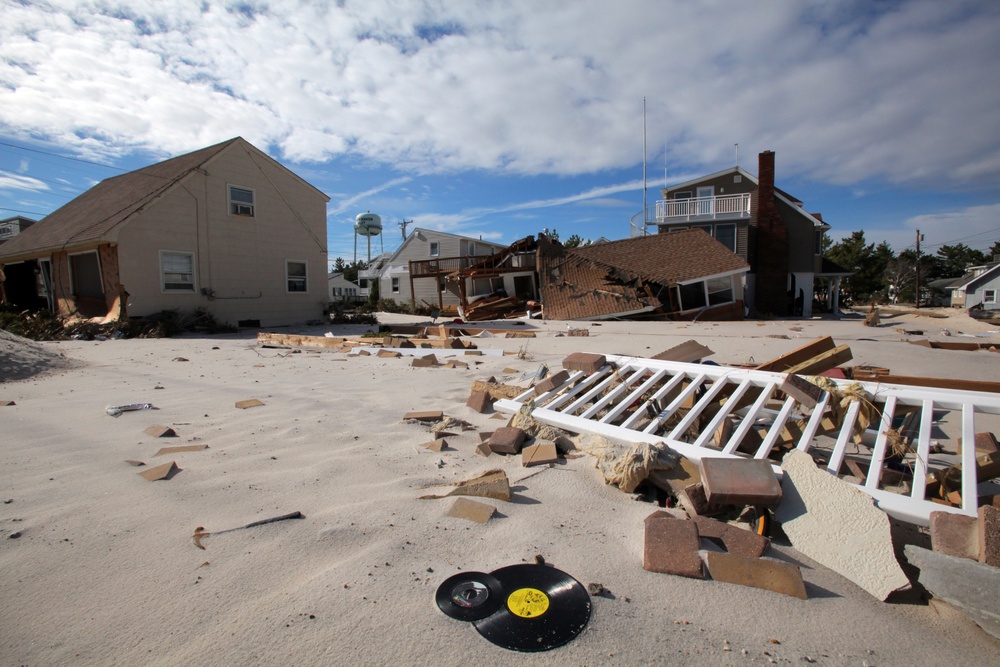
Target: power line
<point>64,157</point>
<point>17,210</point>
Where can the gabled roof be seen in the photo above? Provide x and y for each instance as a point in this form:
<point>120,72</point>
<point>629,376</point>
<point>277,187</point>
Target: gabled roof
<point>434,232</point>
<point>778,192</point>
<point>971,281</point>
<point>669,259</point>
<point>109,203</point>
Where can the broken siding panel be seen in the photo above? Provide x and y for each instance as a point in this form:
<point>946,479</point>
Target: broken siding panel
<point>683,405</point>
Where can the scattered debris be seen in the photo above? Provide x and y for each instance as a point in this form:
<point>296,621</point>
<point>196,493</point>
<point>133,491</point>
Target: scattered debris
<point>765,573</point>
<point>490,484</point>
<point>249,403</point>
<point>437,445</point>
<point>424,416</point>
<point>180,449</point>
<point>117,410</point>
<point>740,482</point>
<point>628,465</point>
<point>966,585</point>
<point>539,454</point>
<point>160,431</point>
<point>671,546</point>
<point>200,533</point>
<point>473,510</point>
<point>506,440</point>
<point>164,471</point>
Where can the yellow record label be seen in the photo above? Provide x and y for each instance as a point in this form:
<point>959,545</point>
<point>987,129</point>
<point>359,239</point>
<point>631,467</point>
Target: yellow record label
<point>528,602</point>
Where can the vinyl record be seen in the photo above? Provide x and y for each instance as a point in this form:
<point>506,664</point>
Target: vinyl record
<point>469,596</point>
<point>542,608</point>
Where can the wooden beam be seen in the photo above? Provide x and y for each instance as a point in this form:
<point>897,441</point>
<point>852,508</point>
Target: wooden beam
<point>823,362</point>
<point>785,362</point>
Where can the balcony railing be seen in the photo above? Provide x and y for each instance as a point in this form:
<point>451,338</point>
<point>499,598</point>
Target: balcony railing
<point>723,207</point>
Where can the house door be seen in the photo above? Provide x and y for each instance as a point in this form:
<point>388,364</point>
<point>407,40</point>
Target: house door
<point>45,283</point>
<point>706,203</point>
<point>87,286</point>
<point>524,287</point>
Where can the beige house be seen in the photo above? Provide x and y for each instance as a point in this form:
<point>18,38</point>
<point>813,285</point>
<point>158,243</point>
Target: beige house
<point>225,228</point>
<point>417,272</point>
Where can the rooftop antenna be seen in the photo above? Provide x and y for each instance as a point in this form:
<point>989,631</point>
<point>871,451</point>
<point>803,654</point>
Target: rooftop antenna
<point>737,147</point>
<point>402,225</point>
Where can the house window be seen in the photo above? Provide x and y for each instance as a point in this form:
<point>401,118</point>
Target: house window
<point>241,201</point>
<point>176,271</point>
<point>443,285</point>
<point>435,249</point>
<point>692,296</point>
<point>472,247</point>
<point>726,235</point>
<point>295,276</point>
<point>819,242</point>
<point>989,296</point>
<point>395,285</point>
<point>720,290</point>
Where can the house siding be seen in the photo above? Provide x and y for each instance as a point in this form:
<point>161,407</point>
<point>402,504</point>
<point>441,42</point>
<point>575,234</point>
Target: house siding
<point>239,260</point>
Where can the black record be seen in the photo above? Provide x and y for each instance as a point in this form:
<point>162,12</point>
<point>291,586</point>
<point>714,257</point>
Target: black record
<point>543,608</point>
<point>469,596</point>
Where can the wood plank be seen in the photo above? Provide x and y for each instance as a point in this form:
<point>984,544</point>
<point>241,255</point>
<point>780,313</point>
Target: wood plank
<point>935,383</point>
<point>298,341</point>
<point>808,351</point>
<point>823,362</point>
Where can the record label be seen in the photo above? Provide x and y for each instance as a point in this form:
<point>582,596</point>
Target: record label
<point>528,602</point>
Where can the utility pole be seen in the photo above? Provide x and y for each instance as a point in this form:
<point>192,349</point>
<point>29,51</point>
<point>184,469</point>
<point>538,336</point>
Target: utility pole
<point>402,226</point>
<point>917,299</point>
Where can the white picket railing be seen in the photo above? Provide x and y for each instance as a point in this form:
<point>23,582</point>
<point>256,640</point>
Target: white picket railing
<point>703,208</point>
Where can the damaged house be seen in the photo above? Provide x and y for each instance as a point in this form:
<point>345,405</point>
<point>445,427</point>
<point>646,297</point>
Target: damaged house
<point>767,227</point>
<point>225,229</point>
<point>686,275</point>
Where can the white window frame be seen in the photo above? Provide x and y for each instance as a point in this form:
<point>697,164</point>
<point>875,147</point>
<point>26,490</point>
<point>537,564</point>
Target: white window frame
<point>719,289</point>
<point>435,249</point>
<point>164,289</point>
<point>715,233</point>
<point>989,296</point>
<point>394,285</point>
<point>304,278</point>
<point>238,208</point>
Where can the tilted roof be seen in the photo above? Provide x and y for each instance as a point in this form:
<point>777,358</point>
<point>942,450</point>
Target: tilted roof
<point>100,209</point>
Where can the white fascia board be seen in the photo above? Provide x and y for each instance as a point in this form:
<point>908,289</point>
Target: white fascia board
<point>714,275</point>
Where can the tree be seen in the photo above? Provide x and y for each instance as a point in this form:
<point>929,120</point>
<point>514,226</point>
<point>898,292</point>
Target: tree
<point>575,241</point>
<point>994,250</point>
<point>866,261</point>
<point>955,259</point>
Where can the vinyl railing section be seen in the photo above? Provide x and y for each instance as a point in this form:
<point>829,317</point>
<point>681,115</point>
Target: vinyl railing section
<point>703,208</point>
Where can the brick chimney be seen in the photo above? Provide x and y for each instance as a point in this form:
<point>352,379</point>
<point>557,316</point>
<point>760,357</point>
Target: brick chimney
<point>771,290</point>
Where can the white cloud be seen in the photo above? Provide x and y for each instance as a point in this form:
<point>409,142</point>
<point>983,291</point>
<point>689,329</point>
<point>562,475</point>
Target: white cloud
<point>11,181</point>
<point>977,227</point>
<point>843,92</point>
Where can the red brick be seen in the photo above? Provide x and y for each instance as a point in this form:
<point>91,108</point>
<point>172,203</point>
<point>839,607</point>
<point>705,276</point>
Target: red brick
<point>480,401</point>
<point>989,535</point>
<point>765,573</point>
<point>585,362</point>
<point>551,382</point>
<point>506,440</point>
<point>740,482</point>
<point>736,540</point>
<point>692,499</point>
<point>954,535</point>
<point>671,546</point>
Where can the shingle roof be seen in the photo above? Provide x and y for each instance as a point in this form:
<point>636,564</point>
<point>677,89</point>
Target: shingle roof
<point>109,203</point>
<point>668,259</point>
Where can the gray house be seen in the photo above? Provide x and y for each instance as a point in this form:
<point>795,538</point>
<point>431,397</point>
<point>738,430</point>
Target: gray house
<point>978,288</point>
<point>225,228</point>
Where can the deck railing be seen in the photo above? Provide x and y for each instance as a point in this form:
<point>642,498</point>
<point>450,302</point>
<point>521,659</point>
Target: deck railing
<point>703,208</point>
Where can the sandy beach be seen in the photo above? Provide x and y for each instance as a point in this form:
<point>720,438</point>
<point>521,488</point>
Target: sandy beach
<point>99,566</point>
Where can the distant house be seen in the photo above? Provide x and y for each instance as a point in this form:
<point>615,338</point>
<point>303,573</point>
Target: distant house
<point>11,227</point>
<point>418,272</point>
<point>225,228</point>
<point>685,275</point>
<point>341,289</point>
<point>978,288</point>
<point>766,227</point>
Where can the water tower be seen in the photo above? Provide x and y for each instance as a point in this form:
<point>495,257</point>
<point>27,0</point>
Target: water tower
<point>367,225</point>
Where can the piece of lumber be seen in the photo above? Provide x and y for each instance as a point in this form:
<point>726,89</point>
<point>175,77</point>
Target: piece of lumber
<point>783,363</point>
<point>823,361</point>
<point>936,383</point>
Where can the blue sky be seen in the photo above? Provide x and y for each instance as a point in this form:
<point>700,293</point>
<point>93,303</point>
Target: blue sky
<point>501,119</point>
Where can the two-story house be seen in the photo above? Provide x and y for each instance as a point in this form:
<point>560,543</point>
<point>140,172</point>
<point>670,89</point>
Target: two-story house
<point>225,228</point>
<point>765,226</point>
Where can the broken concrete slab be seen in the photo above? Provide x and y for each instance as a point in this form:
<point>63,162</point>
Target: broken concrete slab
<point>764,573</point>
<point>507,440</point>
<point>584,362</point>
<point>838,526</point>
<point>966,585</point>
<point>736,540</point>
<point>989,535</point>
<point>954,535</point>
<point>165,471</point>
<point>740,482</point>
<point>671,546</point>
<point>160,431</point>
<point>551,382</point>
<point>489,484</point>
<point>473,510</point>
<point>542,453</point>
<point>180,449</point>
<point>249,403</point>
